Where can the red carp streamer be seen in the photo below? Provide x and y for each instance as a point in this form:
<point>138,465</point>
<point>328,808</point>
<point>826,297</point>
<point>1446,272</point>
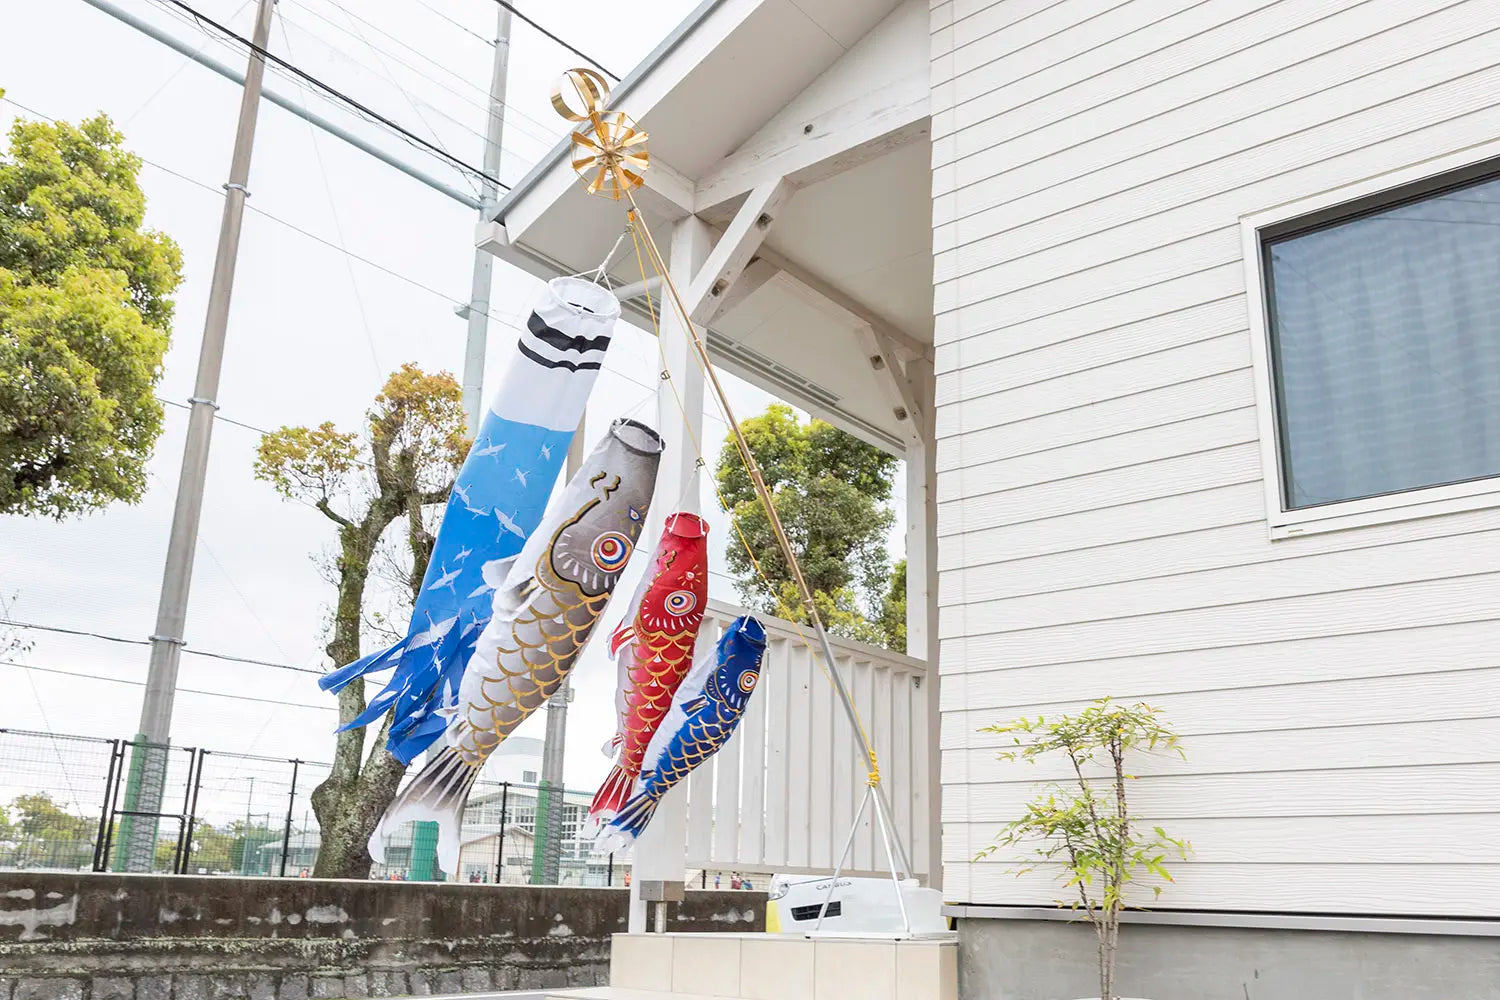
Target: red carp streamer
<point>653,647</point>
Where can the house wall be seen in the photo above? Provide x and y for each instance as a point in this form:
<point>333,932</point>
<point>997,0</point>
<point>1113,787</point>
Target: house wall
<point>1102,521</point>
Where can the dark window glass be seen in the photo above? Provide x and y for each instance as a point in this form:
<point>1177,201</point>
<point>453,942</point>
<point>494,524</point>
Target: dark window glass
<point>801,913</point>
<point>1385,347</point>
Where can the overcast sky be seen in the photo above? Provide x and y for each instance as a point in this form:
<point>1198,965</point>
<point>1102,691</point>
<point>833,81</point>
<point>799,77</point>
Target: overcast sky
<point>313,333</point>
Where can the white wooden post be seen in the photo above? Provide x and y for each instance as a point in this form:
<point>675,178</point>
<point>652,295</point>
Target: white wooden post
<point>922,609</point>
<point>661,853</point>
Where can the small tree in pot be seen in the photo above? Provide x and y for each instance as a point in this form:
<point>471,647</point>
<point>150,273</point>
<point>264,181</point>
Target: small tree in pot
<point>1085,824</point>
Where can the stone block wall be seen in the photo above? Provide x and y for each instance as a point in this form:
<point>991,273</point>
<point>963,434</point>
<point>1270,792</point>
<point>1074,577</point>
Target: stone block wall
<point>161,937</point>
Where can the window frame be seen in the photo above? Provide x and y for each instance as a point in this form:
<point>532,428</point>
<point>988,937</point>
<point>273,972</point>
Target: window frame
<point>1317,211</point>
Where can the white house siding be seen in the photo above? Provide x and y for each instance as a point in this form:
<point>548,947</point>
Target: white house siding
<point>1102,523</point>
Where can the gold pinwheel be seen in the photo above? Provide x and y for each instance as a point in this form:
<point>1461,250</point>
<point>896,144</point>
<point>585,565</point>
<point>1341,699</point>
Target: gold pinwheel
<point>609,150</point>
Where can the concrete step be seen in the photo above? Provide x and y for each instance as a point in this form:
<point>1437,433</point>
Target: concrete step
<point>780,967</point>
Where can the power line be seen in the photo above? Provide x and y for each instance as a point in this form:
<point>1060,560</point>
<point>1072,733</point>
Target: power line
<point>33,668</point>
<point>145,642</point>
<point>577,52</point>
<point>332,92</point>
<point>178,71</point>
<point>547,139</point>
<point>333,210</point>
<point>217,416</point>
<point>460,26</point>
<point>501,320</point>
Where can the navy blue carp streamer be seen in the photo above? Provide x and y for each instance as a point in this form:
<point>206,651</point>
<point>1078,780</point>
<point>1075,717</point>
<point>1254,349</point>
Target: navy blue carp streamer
<point>497,502</point>
<point>705,712</point>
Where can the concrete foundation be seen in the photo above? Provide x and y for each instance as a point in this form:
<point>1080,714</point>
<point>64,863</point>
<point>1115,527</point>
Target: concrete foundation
<point>779,967</point>
<point>148,937</point>
<point>1007,959</point>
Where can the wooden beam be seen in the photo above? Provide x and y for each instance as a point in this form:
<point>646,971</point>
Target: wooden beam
<point>732,254</point>
<point>856,132</point>
<point>756,273</point>
<point>889,373</point>
<point>904,344</point>
<point>666,193</point>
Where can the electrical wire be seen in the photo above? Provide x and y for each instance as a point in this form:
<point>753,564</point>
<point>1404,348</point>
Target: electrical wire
<point>307,234</point>
<point>576,51</point>
<point>416,104</point>
<point>410,102</point>
<point>331,92</point>
<point>548,139</point>
<point>338,228</point>
<point>186,62</point>
<point>457,24</point>
<point>33,668</point>
<point>217,415</point>
<point>501,320</point>
<point>82,633</point>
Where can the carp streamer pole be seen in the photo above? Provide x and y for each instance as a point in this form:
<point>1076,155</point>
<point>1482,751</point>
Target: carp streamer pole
<point>610,155</point>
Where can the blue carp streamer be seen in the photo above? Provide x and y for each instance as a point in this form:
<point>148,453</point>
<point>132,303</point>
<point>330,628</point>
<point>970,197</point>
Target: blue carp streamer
<point>497,501</point>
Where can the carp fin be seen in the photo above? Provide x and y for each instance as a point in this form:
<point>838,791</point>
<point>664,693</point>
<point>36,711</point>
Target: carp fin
<point>508,596</point>
<point>612,795</point>
<point>623,634</point>
<point>627,824</point>
<point>612,745</point>
<point>437,793</point>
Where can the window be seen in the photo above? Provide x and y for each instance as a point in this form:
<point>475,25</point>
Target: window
<point>1381,350</point>
<point>528,777</point>
<point>524,817</point>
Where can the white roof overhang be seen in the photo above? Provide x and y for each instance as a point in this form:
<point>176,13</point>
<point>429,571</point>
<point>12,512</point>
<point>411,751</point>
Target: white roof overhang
<point>820,109</point>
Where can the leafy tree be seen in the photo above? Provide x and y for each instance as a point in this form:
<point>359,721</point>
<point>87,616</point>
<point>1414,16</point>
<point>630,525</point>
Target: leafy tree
<point>893,610</point>
<point>85,315</point>
<point>412,446</point>
<point>47,835</point>
<point>832,493</point>
<point>1083,829</point>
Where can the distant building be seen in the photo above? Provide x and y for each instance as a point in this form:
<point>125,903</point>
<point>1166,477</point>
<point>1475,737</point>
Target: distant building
<point>507,796</point>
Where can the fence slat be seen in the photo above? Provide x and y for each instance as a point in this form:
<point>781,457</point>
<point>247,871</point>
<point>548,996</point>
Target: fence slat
<point>864,841</point>
<point>900,787</point>
<point>779,676</point>
<point>821,754</point>
<point>798,783</point>
<point>921,796</point>
<point>848,775</point>
<point>753,781</point>
<point>726,817</point>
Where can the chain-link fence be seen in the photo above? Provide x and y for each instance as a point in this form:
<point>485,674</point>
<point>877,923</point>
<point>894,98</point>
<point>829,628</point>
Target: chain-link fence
<point>81,803</point>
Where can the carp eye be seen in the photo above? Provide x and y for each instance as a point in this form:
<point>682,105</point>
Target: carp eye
<point>680,602</point>
<point>747,681</point>
<point>610,551</point>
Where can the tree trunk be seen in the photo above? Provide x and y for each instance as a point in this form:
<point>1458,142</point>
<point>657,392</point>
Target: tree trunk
<point>346,812</point>
<point>354,811</point>
<point>421,543</point>
<point>1106,987</point>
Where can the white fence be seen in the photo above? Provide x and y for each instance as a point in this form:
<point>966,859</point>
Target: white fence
<point>783,792</point>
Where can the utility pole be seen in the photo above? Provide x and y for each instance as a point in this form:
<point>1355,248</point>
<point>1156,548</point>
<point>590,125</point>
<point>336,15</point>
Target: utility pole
<point>149,762</point>
<point>546,848</point>
<point>425,833</point>
<point>477,312</point>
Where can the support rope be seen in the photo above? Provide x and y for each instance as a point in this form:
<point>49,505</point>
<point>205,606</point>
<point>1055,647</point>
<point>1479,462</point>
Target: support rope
<point>873,777</point>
